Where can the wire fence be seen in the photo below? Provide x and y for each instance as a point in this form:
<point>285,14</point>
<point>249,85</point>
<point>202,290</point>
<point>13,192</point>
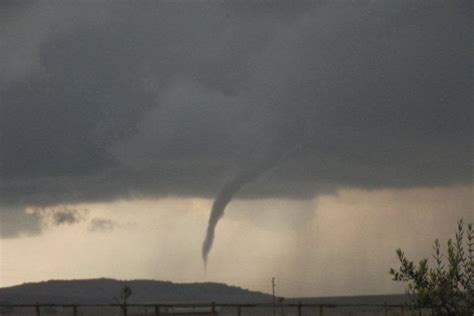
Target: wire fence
<point>211,309</point>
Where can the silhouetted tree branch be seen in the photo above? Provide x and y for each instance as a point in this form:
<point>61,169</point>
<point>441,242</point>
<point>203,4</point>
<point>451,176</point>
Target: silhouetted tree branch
<point>448,287</point>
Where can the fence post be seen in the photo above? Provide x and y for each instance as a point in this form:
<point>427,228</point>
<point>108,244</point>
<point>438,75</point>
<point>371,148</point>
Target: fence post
<point>37,308</point>
<point>299,308</point>
<point>239,310</point>
<point>74,310</point>
<point>385,309</point>
<point>157,310</point>
<point>213,309</point>
<point>320,310</point>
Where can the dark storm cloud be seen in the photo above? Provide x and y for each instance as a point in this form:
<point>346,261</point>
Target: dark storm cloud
<point>162,98</point>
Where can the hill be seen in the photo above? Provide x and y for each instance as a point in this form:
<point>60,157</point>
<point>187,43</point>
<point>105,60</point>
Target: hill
<point>144,291</point>
<point>103,291</point>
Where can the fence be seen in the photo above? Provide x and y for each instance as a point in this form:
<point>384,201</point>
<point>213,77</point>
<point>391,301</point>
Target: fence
<point>211,309</point>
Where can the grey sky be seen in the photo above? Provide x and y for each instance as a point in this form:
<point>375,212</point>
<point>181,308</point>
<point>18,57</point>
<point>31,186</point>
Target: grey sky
<point>102,102</point>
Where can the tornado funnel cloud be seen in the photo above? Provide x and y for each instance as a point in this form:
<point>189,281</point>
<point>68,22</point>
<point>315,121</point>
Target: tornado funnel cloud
<point>229,190</point>
<point>218,207</point>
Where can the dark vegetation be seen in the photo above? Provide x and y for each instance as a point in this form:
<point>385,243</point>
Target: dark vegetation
<point>447,287</point>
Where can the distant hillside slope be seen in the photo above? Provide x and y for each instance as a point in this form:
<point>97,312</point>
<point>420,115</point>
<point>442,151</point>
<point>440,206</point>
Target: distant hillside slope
<point>144,291</point>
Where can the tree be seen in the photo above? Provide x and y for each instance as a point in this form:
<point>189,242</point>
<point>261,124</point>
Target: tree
<point>447,287</point>
<point>122,299</point>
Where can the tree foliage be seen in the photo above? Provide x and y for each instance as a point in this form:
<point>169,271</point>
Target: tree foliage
<point>448,286</point>
<point>122,299</point>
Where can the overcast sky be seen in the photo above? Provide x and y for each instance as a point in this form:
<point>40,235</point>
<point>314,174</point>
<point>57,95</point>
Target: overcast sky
<point>121,121</point>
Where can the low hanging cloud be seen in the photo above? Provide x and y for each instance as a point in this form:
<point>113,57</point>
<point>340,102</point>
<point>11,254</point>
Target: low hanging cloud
<point>16,222</point>
<point>102,225</point>
<point>60,215</point>
<point>32,221</point>
<point>184,97</point>
<point>68,216</point>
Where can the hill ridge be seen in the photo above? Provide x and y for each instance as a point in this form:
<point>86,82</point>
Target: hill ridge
<point>103,290</point>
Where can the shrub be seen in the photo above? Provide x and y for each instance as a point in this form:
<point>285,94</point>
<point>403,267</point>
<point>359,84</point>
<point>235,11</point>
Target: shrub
<point>447,287</point>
